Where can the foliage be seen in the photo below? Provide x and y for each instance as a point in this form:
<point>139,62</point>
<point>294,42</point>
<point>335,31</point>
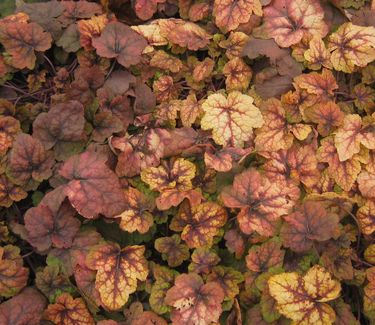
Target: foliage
<point>189,162</point>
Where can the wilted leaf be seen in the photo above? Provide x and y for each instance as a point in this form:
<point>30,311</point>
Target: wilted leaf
<point>119,41</point>
<point>68,310</point>
<point>232,118</point>
<point>193,301</point>
<point>303,299</point>
<point>117,272</point>
<point>199,223</point>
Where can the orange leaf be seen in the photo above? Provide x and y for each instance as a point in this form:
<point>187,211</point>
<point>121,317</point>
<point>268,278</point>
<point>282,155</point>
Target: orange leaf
<point>117,272</point>
<point>288,21</point>
<point>21,40</point>
<point>193,301</point>
<point>232,118</point>
<point>199,223</point>
<point>229,14</point>
<point>67,310</point>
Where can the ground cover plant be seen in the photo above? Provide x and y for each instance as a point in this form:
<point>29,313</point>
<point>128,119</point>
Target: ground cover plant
<point>187,162</point>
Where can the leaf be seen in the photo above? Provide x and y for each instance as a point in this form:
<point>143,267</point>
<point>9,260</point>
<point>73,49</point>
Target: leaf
<point>172,251</point>
<point>13,275</point>
<point>184,33</point>
<point>21,40</point>
<point>62,128</point>
<point>48,225</point>
<point>366,217</point>
<point>314,83</point>
<point>119,41</point>
<point>234,44</point>
<point>105,125</point>
<point>366,184</point>
<point>164,280</point>
<point>263,257</point>
<point>68,310</point>
<point>238,74</point>
<point>287,22</point>
<point>203,260</point>
<point>45,14</point>
<point>9,192</point>
<point>9,127</point>
<point>145,9</point>
<point>352,46</point>
<point>262,201</point>
<point>29,163</point>
<point>317,55</point>
<point>172,180</point>
<point>275,133</point>
<point>85,280</point>
<point>85,239</point>
<point>232,118</point>
<point>228,279</point>
<point>148,317</point>
<point>199,223</point>
<point>230,14</point>
<point>309,223</point>
<point>137,216</point>
<point>51,282</point>
<point>327,115</point>
<point>193,301</point>
<point>302,299</point>
<point>92,187</point>
<point>190,110</point>
<point>164,61</point>
<point>70,40</point>
<point>352,134</point>
<point>89,29</point>
<point>343,172</point>
<point>25,308</point>
<point>117,272</point>
<point>298,164</point>
<point>79,9</point>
